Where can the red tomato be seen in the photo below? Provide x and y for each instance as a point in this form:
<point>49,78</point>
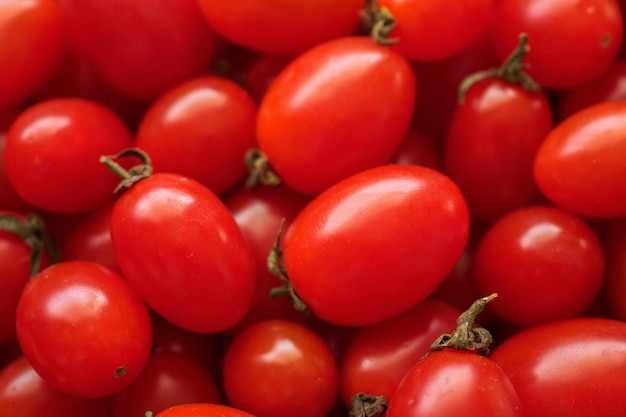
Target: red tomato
<point>378,356</point>
<point>452,381</point>
<point>202,129</point>
<point>491,143</point>
<point>565,368</point>
<point>388,235</point>
<point>52,151</point>
<point>571,41</point>
<point>23,393</point>
<point>282,26</point>
<point>544,262</point>
<point>31,47</point>
<point>83,329</point>
<point>580,164</point>
<point>134,47</point>
<point>203,410</point>
<point>9,198</point>
<point>335,110</point>
<point>280,368</point>
<point>427,30</point>
<point>180,248</point>
<point>615,252</point>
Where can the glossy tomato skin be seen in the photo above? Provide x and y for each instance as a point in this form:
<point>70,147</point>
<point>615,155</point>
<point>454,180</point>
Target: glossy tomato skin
<point>282,26</point>
<point>580,164</point>
<point>571,41</point>
<point>280,368</point>
<point>203,410</point>
<point>83,329</point>
<point>564,368</point>
<point>450,382</point>
<point>341,107</point>
<point>52,152</point>
<point>388,235</point>
<point>182,251</point>
<point>491,143</point>
<point>202,129</point>
<point>378,356</point>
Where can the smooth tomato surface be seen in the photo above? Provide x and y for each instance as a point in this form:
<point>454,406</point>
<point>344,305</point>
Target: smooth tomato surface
<point>203,410</point>
<point>376,244</point>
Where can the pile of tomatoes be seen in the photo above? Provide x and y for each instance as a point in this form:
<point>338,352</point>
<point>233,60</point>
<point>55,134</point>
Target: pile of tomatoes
<point>312,208</point>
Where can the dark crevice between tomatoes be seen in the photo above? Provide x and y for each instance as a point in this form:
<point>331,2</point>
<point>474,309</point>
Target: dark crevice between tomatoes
<point>364,405</point>
<point>511,70</point>
<point>32,230</point>
<point>380,22</point>
<point>259,170</point>
<point>276,267</point>
<point>132,175</point>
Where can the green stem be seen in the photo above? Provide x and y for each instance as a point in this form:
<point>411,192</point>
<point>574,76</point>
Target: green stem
<point>132,175</point>
<point>380,21</point>
<point>259,170</point>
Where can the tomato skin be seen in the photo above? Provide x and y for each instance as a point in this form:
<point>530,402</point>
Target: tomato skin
<point>78,323</point>
<point>180,248</point>
<point>280,368</point>
<point>282,26</point>
<point>311,120</point>
<point>369,237</point>
<point>580,164</point>
<point>571,41</point>
<point>202,129</point>
<point>203,410</point>
<point>450,382</point>
<point>560,369</point>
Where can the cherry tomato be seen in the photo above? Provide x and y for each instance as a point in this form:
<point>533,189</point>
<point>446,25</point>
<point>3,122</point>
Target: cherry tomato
<point>31,47</point>
<point>282,27</point>
<point>571,41</point>
<point>450,382</point>
<point>615,252</point>
<point>388,235</point>
<point>564,368</point>
<point>83,329</point>
<point>202,129</point>
<point>544,262</point>
<point>580,164</point>
<point>9,198</point>
<point>180,248</point>
<point>341,107</point>
<point>52,151</point>
<point>203,410</point>
<point>280,368</point>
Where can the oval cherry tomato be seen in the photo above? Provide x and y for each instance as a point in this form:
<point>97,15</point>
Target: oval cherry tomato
<point>580,164</point>
<point>203,410</point>
<point>335,110</point>
<point>280,368</point>
<point>560,369</point>
<point>180,248</point>
<point>388,235</point>
<point>83,329</point>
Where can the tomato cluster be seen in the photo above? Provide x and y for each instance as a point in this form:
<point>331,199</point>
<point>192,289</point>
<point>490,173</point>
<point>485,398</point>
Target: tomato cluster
<point>314,208</point>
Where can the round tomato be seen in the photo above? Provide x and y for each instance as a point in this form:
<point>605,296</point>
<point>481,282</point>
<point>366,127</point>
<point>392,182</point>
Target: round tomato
<point>202,410</point>
<point>83,329</point>
<point>580,164</point>
<point>376,244</point>
<point>341,107</point>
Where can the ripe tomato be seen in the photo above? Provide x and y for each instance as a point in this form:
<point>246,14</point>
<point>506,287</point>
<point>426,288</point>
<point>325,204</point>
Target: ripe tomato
<point>202,410</point>
<point>445,382</point>
<point>280,368</point>
<point>571,41</point>
<point>564,368</point>
<point>615,252</point>
<point>376,244</point>
<point>31,47</point>
<point>9,198</point>
<point>282,26</point>
<point>580,164</point>
<point>337,109</point>
<point>52,151</point>
<point>180,248</point>
<point>83,329</point>
<point>202,129</point>
<point>544,262</point>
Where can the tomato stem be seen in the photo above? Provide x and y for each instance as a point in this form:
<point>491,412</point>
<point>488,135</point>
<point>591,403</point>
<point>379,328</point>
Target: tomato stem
<point>135,173</point>
<point>380,21</point>
<point>466,336</point>
<point>511,70</point>
<point>259,169</point>
<point>364,405</point>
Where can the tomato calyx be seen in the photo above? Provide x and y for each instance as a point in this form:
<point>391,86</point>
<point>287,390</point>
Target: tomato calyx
<point>511,70</point>
<point>466,336</point>
<point>259,170</point>
<point>32,231</point>
<point>380,21</point>
<point>132,175</point>
<point>276,267</point>
<point>365,405</point>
